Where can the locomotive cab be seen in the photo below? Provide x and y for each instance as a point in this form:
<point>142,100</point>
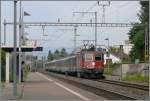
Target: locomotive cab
<point>92,63</point>
<point>93,60</point>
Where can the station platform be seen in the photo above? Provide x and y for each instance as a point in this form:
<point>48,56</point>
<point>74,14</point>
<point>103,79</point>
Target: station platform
<point>42,87</point>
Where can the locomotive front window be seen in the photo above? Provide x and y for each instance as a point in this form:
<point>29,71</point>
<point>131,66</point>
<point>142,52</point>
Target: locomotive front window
<point>98,57</point>
<point>88,57</point>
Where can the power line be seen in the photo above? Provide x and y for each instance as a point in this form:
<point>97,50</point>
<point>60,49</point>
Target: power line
<point>103,8</point>
<point>89,9</point>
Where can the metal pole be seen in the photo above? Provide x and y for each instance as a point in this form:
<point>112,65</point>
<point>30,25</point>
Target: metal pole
<point>44,62</point>
<point>0,55</point>
<point>108,55</point>
<point>22,28</point>
<point>75,34</point>
<point>43,57</point>
<point>15,51</point>
<point>20,43</point>
<point>146,44</point>
<point>121,58</point>
<point>35,65</point>
<point>4,32</point>
<point>95,30</point>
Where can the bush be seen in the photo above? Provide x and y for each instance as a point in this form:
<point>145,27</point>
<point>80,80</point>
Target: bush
<point>139,78</point>
<point>25,72</point>
<point>3,65</point>
<point>112,67</point>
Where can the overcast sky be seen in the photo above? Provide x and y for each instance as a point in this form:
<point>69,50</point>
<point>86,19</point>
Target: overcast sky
<point>123,12</point>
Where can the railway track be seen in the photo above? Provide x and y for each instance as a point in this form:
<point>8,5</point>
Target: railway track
<point>108,89</point>
<point>125,84</point>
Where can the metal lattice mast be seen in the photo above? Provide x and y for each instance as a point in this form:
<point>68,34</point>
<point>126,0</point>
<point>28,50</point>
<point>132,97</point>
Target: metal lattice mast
<point>70,24</point>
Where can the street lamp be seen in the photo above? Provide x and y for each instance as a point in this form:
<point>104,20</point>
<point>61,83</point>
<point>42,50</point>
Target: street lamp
<point>107,43</point>
<point>108,54</point>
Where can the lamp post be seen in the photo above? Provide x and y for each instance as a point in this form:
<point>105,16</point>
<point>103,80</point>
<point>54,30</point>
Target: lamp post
<point>108,54</point>
<point>75,38</point>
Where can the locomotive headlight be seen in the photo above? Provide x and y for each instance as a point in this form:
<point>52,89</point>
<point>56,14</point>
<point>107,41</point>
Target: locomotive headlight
<point>93,63</point>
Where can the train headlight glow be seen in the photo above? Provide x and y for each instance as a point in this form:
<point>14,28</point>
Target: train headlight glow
<point>93,63</point>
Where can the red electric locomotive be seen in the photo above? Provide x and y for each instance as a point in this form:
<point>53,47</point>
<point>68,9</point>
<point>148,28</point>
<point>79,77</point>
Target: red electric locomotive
<point>91,64</point>
<point>87,64</point>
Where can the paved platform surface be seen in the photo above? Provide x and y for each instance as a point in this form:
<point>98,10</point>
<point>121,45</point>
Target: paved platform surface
<point>7,91</point>
<point>42,87</point>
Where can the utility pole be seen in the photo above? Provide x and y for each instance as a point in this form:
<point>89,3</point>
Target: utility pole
<point>15,51</point>
<point>20,43</point>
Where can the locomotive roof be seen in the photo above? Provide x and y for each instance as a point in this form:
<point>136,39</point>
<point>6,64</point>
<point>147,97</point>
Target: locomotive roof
<point>92,52</point>
<point>66,58</point>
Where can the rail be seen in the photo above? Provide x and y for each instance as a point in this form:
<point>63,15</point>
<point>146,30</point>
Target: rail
<point>109,90</point>
<point>125,84</point>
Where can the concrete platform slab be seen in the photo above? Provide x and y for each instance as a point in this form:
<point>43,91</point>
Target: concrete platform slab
<point>42,87</point>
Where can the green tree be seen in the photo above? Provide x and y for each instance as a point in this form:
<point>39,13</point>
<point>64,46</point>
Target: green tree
<point>63,52</point>
<point>3,55</point>
<point>50,56</point>
<point>56,54</point>
<point>137,33</point>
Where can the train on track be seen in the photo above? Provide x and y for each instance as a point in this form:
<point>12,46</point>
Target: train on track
<point>85,64</point>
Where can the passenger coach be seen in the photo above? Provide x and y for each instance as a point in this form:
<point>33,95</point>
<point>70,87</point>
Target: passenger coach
<point>87,64</point>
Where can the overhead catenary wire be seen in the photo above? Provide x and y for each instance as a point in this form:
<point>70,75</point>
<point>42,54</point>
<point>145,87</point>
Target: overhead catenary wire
<point>103,9</point>
<point>56,38</point>
<point>89,9</point>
